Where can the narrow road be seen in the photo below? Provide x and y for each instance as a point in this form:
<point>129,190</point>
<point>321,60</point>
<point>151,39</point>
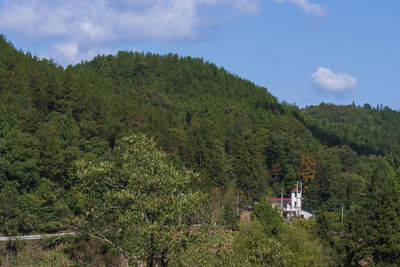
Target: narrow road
<point>32,237</point>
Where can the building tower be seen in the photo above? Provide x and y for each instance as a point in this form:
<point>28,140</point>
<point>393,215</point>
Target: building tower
<point>296,199</point>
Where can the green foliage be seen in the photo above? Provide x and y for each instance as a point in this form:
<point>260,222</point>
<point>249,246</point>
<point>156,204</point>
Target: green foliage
<point>253,246</point>
<point>205,246</point>
<point>138,200</point>
<point>230,208</point>
<point>84,251</point>
<point>227,130</point>
<point>366,130</point>
<point>229,217</point>
<point>373,227</point>
<point>269,217</point>
<point>32,254</point>
<point>8,210</point>
<point>328,226</point>
<point>307,250</point>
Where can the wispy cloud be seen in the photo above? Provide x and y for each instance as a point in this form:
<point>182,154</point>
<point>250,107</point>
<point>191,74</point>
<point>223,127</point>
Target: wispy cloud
<point>78,26</point>
<point>69,50</point>
<point>247,6</point>
<point>307,7</point>
<point>336,82</point>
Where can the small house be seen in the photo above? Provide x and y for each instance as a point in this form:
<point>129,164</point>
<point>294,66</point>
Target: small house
<point>292,206</point>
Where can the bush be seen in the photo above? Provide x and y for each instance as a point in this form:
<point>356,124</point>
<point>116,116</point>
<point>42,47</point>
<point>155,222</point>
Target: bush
<point>269,217</point>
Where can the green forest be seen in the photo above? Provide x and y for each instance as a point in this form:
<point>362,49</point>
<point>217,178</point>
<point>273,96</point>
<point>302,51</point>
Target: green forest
<point>152,159</point>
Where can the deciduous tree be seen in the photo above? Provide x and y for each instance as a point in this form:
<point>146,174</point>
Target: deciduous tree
<point>138,201</point>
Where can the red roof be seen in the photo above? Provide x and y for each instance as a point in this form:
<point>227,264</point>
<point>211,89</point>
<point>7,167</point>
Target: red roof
<point>295,190</point>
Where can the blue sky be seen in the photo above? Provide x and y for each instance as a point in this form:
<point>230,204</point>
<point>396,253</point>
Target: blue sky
<point>302,51</point>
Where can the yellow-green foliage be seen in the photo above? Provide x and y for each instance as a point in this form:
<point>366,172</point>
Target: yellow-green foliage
<point>138,201</point>
<point>33,254</point>
<point>307,250</point>
<point>206,246</point>
<point>253,246</point>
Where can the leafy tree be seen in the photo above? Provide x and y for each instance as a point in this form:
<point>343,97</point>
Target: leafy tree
<point>308,168</point>
<point>138,201</point>
<point>50,163</point>
<point>9,212</point>
<point>328,226</point>
<point>229,216</point>
<point>253,246</point>
<point>306,248</point>
<point>373,227</point>
<point>269,217</point>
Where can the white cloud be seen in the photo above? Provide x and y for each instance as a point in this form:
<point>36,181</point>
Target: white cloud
<point>69,53</point>
<point>118,19</point>
<point>307,7</point>
<point>326,79</point>
<point>68,50</point>
<point>92,30</point>
<point>78,26</point>
<point>34,22</point>
<point>247,6</point>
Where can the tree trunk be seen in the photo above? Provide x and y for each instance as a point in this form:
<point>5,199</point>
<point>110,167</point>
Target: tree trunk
<point>164,261</point>
<point>150,261</point>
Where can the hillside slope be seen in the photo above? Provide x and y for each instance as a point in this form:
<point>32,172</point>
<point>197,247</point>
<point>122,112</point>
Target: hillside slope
<point>235,135</point>
<point>366,129</point>
<point>207,119</point>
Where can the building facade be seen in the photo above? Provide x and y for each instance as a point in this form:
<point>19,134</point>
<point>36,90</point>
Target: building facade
<point>292,206</point>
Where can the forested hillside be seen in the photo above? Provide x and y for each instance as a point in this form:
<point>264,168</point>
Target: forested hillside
<point>366,129</point>
<point>134,149</point>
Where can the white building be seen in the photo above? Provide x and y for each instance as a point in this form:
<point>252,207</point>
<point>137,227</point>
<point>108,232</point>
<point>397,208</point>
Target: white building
<point>291,206</point>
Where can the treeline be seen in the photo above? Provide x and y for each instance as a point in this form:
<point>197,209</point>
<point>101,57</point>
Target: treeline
<point>60,128</point>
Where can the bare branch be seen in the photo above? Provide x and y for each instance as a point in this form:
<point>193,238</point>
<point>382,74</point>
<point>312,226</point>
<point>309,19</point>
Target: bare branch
<point>104,239</point>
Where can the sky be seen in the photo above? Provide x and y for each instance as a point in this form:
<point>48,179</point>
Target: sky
<point>303,51</point>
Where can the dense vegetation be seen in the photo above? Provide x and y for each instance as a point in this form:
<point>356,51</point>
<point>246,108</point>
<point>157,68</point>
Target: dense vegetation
<point>151,157</point>
<point>366,130</point>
